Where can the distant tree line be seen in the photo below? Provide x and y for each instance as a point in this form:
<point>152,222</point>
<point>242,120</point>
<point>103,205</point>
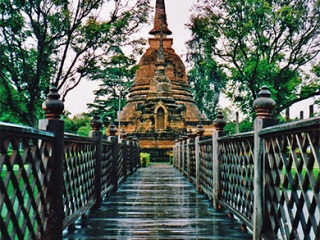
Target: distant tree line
<point>235,48</point>
<point>239,46</point>
<point>60,42</point>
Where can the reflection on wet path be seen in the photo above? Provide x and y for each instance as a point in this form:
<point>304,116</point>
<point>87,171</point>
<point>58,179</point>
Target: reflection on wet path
<point>157,203</point>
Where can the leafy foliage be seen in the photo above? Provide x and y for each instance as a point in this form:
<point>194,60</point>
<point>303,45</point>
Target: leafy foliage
<point>78,124</point>
<point>244,126</point>
<point>273,43</point>
<point>144,159</point>
<point>206,77</point>
<point>117,76</point>
<point>57,42</point>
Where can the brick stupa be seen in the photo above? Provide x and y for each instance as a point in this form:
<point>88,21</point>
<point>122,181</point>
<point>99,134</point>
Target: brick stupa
<point>160,105</point>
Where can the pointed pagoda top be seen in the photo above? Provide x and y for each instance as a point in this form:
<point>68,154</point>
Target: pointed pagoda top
<point>160,50</point>
<point>160,19</point>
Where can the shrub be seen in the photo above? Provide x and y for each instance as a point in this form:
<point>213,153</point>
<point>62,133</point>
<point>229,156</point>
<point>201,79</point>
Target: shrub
<point>171,159</point>
<point>144,159</point>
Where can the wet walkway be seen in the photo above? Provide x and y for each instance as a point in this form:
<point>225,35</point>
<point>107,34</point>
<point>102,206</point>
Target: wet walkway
<point>157,203</point>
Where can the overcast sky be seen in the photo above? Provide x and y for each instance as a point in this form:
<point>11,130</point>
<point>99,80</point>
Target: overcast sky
<point>178,13</point>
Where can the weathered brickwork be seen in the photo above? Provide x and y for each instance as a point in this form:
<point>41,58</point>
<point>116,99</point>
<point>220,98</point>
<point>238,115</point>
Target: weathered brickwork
<point>160,105</point>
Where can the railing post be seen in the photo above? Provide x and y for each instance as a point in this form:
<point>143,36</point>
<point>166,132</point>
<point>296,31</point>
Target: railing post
<point>219,124</point>
<point>185,150</point>
<point>96,134</point>
<point>53,108</point>
<point>136,152</point>
<point>188,158</point>
<point>183,154</point>
<point>179,152</point>
<point>130,155</point>
<point>114,141</point>
<point>263,106</point>
<point>124,144</point>
<point>200,132</point>
<point>189,134</point>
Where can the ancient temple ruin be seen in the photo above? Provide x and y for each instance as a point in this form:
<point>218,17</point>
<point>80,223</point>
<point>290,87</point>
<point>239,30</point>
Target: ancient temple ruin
<point>160,105</point>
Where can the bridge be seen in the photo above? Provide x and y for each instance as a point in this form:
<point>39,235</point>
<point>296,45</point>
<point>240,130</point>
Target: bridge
<point>258,185</point>
<point>157,203</point>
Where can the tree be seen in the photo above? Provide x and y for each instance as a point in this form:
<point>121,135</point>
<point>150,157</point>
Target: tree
<point>57,42</point>
<point>260,42</point>
<point>206,77</point>
<point>78,124</point>
<point>116,76</point>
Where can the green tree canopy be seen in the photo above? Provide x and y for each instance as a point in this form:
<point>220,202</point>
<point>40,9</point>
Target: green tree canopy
<point>259,42</point>
<point>206,78</point>
<point>116,76</point>
<point>78,124</point>
<point>57,42</point>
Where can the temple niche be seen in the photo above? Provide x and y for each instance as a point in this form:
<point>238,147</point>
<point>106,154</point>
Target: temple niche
<point>160,105</point>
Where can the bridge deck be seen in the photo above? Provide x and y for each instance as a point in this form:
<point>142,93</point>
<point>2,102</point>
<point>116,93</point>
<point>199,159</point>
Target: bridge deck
<point>157,203</point>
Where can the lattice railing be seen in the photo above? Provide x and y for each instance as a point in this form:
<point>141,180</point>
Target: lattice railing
<point>49,180</point>
<point>106,168</point>
<point>292,160</point>
<point>132,151</point>
<point>120,163</point>
<point>180,154</point>
<point>185,158</point>
<point>25,167</point>
<point>237,172</point>
<point>175,155</point>
<point>206,166</point>
<point>192,161</point>
<point>79,169</point>
<point>134,157</point>
<point>130,167</point>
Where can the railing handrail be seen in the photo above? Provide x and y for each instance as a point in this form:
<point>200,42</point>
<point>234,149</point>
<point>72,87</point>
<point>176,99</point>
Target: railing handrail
<point>236,136</point>
<point>76,137</point>
<point>16,129</point>
<point>205,141</point>
<point>297,126</point>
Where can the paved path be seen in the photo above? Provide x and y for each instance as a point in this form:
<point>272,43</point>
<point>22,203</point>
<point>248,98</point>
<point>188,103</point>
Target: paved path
<point>157,203</point>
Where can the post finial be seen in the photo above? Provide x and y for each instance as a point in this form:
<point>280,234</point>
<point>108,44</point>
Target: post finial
<point>185,136</point>
<point>264,104</point>
<point>96,122</point>
<point>219,122</point>
<point>112,129</point>
<point>134,138</point>
<point>52,106</point>
<point>123,134</point>
<point>200,130</point>
<point>190,134</point>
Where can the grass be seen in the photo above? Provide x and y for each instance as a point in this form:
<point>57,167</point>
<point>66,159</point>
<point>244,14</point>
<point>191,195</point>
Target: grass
<point>10,191</point>
<point>293,173</point>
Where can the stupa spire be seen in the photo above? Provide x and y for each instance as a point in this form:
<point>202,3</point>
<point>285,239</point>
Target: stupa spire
<point>160,50</point>
<point>160,19</point>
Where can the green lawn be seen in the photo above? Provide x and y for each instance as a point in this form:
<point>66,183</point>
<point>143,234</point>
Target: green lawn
<point>16,204</point>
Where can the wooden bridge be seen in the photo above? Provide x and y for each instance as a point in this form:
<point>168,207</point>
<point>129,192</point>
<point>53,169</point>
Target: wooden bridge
<point>56,185</point>
<point>157,203</point>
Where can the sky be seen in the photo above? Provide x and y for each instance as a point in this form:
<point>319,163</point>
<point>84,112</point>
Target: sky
<point>178,14</point>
